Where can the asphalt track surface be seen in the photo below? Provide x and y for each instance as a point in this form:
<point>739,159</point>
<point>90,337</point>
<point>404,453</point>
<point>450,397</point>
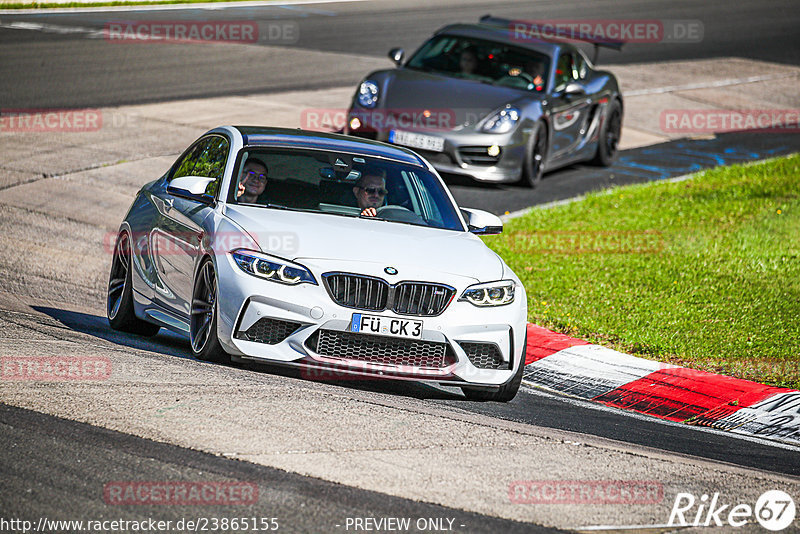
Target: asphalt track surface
<point>40,69</point>
<point>56,68</point>
<point>531,406</point>
<point>84,459</point>
<point>49,69</point>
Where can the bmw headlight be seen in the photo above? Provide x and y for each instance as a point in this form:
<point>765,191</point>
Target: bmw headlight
<point>503,121</point>
<point>273,269</point>
<point>490,293</point>
<point>368,94</point>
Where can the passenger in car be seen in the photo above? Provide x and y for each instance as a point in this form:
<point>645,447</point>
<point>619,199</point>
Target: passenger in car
<point>252,181</point>
<point>468,62</point>
<point>370,192</point>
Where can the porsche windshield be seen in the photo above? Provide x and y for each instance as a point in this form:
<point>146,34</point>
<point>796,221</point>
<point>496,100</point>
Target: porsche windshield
<point>341,184</point>
<point>485,61</point>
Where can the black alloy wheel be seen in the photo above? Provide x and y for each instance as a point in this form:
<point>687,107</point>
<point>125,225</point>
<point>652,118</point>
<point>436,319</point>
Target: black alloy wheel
<point>203,322</point>
<point>119,300</point>
<point>534,162</point>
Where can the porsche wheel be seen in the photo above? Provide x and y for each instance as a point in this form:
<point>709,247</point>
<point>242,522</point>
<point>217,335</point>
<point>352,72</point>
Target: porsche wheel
<point>534,161</point>
<point>119,299</point>
<point>203,322</point>
<point>608,143</point>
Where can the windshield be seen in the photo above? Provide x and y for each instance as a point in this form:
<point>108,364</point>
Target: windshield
<point>341,184</point>
<point>484,61</point>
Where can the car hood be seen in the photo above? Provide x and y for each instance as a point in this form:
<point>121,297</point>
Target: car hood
<point>345,243</point>
<point>465,101</point>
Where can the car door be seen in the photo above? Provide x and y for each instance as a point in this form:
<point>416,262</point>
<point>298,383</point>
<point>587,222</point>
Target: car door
<point>570,114</point>
<point>175,239</point>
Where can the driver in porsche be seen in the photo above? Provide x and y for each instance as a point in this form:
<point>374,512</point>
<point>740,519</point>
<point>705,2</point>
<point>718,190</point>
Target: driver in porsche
<point>370,192</point>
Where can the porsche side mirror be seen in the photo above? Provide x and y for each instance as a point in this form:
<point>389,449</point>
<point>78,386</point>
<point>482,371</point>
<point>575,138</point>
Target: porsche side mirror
<point>575,89</point>
<point>396,55</point>
<point>482,222</point>
<point>197,188</point>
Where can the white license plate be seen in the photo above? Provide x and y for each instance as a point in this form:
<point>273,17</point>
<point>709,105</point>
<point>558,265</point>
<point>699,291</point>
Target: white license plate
<point>385,326</point>
<point>415,140</point>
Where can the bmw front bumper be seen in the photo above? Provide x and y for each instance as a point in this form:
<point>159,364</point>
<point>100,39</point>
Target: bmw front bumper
<point>302,326</point>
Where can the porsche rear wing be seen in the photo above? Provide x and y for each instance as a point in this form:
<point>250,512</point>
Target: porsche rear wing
<point>580,36</point>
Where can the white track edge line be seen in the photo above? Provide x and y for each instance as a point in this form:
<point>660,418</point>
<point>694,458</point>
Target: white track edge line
<point>168,7</point>
<point>537,389</point>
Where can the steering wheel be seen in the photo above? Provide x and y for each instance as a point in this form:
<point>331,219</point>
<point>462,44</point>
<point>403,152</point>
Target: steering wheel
<point>512,81</point>
<point>393,212</point>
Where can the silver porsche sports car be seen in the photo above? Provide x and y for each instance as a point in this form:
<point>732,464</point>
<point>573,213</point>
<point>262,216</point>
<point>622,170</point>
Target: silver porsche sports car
<point>485,101</point>
<point>324,252</point>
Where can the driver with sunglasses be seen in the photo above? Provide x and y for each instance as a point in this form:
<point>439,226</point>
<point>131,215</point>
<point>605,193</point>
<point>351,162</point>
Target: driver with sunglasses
<point>370,191</point>
<point>252,181</point>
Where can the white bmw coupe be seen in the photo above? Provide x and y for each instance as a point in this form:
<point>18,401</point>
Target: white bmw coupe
<point>323,252</point>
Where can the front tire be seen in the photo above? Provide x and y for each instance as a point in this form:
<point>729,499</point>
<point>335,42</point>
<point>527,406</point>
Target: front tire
<point>608,142</point>
<point>203,322</point>
<point>119,297</point>
<point>534,159</point>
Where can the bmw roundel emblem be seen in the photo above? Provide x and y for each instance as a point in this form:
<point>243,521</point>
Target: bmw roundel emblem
<point>390,270</point>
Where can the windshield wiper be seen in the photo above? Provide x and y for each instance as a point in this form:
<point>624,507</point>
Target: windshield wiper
<point>371,218</point>
<point>423,69</point>
<point>257,205</point>
<point>286,208</point>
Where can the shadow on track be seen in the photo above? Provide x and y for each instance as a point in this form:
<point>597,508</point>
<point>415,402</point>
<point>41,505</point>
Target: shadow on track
<point>165,342</point>
<point>172,344</point>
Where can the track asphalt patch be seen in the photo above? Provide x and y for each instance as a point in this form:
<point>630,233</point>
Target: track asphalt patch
<point>575,367</point>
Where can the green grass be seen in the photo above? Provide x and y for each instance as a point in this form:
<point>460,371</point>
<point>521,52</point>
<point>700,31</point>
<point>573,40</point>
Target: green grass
<point>703,273</point>
<point>52,5</point>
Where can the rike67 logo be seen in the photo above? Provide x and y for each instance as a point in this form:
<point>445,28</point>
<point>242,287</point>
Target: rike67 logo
<point>774,510</point>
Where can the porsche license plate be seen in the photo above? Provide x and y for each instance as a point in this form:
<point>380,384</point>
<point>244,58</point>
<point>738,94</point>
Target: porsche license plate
<point>386,326</point>
<point>415,140</point>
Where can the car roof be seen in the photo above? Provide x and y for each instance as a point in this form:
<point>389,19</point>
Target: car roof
<point>297,138</point>
<point>498,34</point>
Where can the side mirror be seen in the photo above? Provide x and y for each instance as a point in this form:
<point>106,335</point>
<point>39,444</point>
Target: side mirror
<point>574,89</point>
<point>482,222</point>
<point>396,55</point>
<point>197,188</point>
